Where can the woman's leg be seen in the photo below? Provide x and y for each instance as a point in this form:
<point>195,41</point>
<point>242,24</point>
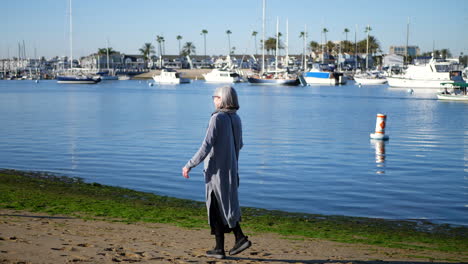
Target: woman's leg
<point>238,232</point>
<point>216,223</point>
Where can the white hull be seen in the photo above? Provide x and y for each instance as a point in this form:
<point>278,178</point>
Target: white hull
<point>415,83</point>
<point>170,77</point>
<point>369,81</point>
<point>170,81</point>
<point>219,76</point>
<point>452,97</point>
<point>221,80</point>
<point>325,81</point>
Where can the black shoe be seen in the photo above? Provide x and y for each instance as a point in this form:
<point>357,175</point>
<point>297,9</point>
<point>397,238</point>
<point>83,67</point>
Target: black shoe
<point>240,246</point>
<point>216,253</point>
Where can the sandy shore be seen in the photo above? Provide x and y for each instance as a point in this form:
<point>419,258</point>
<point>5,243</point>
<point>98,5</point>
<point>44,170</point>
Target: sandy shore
<point>27,237</point>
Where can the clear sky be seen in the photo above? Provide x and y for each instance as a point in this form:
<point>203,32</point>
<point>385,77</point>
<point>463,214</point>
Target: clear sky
<point>127,25</point>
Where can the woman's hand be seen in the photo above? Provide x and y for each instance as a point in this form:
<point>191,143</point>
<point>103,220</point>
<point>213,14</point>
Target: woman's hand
<point>185,172</point>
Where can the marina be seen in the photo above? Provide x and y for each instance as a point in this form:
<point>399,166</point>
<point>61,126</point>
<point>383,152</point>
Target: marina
<point>307,148</point>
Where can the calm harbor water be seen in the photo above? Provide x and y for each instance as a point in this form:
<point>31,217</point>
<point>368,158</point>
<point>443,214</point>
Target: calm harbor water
<point>307,149</point>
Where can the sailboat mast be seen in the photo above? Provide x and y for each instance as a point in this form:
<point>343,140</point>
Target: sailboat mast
<point>263,38</point>
<point>407,40</point>
<point>305,43</point>
<point>287,44</point>
<point>107,42</point>
<point>71,37</point>
<point>277,45</point>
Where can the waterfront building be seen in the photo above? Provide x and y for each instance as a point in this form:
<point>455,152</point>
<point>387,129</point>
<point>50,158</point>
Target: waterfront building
<point>401,50</point>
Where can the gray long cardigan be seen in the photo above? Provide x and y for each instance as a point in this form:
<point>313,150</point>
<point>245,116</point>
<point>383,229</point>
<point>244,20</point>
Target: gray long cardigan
<point>220,156</point>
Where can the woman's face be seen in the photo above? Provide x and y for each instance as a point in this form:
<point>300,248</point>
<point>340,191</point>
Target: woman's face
<point>217,101</point>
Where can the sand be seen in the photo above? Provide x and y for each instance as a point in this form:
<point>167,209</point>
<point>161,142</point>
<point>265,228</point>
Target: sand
<point>27,237</point>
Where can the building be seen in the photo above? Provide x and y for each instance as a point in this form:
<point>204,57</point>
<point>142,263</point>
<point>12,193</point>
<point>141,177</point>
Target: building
<point>401,50</point>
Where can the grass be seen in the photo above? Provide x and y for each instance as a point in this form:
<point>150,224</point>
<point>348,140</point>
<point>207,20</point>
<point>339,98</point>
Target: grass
<point>54,194</point>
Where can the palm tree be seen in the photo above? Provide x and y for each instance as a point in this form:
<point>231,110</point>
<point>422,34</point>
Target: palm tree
<point>188,49</point>
<point>228,32</point>
<point>324,32</point>
<point>103,51</point>
<point>367,30</point>
<point>445,53</point>
<point>346,31</point>
<point>204,32</point>
<point>147,50</point>
<point>314,46</point>
<point>303,36</point>
<point>179,37</point>
<point>160,39</point>
<point>254,34</point>
<point>270,44</point>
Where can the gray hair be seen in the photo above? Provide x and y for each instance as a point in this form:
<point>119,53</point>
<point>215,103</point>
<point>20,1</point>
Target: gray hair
<point>228,97</point>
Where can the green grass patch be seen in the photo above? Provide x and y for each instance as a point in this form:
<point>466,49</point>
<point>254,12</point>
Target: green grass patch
<point>54,194</point>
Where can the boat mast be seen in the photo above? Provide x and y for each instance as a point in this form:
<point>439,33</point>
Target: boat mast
<point>407,40</point>
<point>71,38</point>
<point>287,44</point>
<point>305,43</point>
<point>355,49</point>
<point>107,42</point>
<point>367,49</point>
<point>263,38</point>
<point>277,46</point>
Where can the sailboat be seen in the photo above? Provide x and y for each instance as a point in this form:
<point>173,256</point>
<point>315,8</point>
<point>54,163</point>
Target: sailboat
<point>71,76</point>
<point>276,77</point>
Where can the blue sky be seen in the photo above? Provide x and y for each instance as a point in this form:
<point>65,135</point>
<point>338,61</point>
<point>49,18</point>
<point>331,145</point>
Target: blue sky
<point>127,25</point>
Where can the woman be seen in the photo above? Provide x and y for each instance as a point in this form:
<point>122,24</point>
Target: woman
<point>220,153</point>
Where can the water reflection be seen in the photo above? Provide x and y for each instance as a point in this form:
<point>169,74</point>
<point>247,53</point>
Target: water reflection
<point>379,146</point>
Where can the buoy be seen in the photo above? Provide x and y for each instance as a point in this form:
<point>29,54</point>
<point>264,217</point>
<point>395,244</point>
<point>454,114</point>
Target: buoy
<point>150,84</point>
<point>37,81</point>
<point>410,91</point>
<point>380,128</point>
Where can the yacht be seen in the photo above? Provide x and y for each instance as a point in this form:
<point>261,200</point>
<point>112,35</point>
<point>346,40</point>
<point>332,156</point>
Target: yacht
<point>325,75</point>
<point>429,75</point>
<point>369,78</point>
<point>170,76</point>
<point>221,76</point>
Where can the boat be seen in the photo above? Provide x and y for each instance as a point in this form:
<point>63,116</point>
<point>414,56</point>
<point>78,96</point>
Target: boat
<point>274,78</point>
<point>71,76</point>
<point>124,77</point>
<point>221,76</point>
<point>278,76</point>
<point>430,75</point>
<point>458,91</point>
<point>370,78</point>
<point>170,76</point>
<point>78,79</point>
<point>324,75</point>
<point>107,75</point>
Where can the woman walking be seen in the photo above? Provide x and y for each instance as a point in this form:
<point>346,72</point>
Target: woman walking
<point>220,153</point>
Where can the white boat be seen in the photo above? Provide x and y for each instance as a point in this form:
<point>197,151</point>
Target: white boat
<point>458,92</point>
<point>369,78</point>
<point>429,75</point>
<point>124,77</point>
<point>169,76</point>
<point>221,76</point>
<point>318,75</point>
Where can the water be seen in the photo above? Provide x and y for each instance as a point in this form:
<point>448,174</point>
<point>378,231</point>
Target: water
<point>307,149</point>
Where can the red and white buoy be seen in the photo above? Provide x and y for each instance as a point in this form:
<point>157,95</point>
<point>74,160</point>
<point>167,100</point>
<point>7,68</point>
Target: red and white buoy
<point>380,128</point>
